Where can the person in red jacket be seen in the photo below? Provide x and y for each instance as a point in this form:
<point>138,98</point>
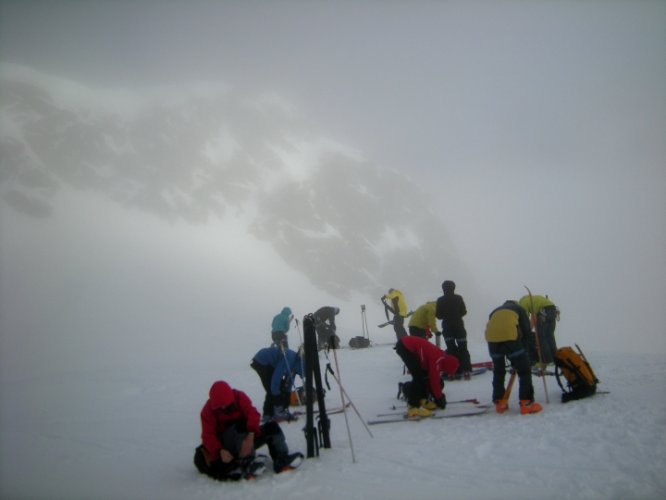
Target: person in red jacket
<point>230,434</point>
<point>426,362</point>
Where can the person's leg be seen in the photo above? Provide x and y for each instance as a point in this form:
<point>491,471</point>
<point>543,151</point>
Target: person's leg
<point>499,369</point>
<point>399,326</point>
<point>418,388</point>
<point>463,352</point>
<point>271,434</point>
<point>521,363</point>
<point>265,373</point>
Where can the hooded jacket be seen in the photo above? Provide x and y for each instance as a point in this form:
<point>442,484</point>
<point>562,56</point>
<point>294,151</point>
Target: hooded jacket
<point>289,367</point>
<point>433,360</point>
<point>224,407</point>
<point>281,321</point>
<point>450,308</point>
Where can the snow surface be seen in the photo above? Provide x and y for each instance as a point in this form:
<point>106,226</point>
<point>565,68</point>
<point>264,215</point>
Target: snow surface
<point>130,433</point>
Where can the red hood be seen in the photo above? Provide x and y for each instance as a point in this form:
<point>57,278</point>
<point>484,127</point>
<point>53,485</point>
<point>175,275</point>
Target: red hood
<point>221,394</point>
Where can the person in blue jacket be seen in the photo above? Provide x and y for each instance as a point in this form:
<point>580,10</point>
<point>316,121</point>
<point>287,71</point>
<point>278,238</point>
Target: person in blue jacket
<point>280,327</point>
<point>277,368</point>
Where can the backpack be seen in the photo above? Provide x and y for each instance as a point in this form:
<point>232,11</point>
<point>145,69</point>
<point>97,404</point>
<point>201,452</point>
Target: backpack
<point>359,342</point>
<point>581,381</point>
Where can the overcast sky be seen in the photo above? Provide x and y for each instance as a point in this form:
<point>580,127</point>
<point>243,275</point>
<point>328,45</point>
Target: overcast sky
<point>539,128</point>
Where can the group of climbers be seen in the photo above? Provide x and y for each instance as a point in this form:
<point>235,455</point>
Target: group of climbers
<point>509,335</point>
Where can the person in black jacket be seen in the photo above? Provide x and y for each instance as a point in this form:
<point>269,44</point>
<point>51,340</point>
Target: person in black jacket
<point>450,309</point>
<point>325,327</point>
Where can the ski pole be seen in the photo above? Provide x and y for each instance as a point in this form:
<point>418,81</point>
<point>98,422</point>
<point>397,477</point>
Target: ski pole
<point>351,403</point>
<point>344,411</point>
<point>298,329</point>
<point>291,378</point>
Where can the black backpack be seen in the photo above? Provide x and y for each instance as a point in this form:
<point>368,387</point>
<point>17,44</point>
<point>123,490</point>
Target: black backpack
<point>359,342</point>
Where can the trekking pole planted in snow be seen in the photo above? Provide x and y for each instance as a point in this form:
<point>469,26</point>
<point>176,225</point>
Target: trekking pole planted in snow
<point>298,329</point>
<point>351,403</point>
<point>342,400</point>
<point>292,381</point>
<point>364,323</point>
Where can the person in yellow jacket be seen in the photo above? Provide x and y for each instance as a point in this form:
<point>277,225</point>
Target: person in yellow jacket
<point>546,314</point>
<point>508,335</point>
<point>423,322</point>
<point>394,301</point>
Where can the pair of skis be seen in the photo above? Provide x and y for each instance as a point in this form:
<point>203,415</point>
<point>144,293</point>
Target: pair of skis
<point>471,408</point>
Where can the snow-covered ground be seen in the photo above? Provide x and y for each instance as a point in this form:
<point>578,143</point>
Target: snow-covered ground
<point>130,433</point>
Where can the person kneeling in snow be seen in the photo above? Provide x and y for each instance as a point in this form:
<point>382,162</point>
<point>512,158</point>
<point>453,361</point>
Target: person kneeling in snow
<point>426,362</point>
<point>230,434</point>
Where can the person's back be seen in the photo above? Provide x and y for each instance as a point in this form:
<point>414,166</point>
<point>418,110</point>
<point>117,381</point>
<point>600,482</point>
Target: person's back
<point>450,308</point>
<point>280,327</point>
<point>423,321</point>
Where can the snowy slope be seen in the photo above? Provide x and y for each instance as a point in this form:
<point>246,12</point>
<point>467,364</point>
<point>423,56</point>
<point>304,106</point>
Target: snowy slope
<point>131,433</point>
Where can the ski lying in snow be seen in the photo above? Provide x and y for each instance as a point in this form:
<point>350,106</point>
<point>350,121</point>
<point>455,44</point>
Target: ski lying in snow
<point>402,417</point>
<point>483,364</point>
<point>473,403</point>
<point>475,371</point>
<point>537,372</point>
<point>460,401</point>
<point>329,411</point>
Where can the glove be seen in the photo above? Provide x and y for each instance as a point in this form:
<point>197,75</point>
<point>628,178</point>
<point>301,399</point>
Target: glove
<point>441,402</point>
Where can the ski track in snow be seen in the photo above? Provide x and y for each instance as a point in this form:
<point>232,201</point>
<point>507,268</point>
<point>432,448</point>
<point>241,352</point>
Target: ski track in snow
<point>131,434</point>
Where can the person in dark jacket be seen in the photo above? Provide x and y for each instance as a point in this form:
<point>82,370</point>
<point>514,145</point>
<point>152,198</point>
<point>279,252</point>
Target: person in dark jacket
<point>325,327</point>
<point>426,363</point>
<point>450,309</point>
<point>509,336</point>
<point>280,327</point>
<point>230,434</point>
<point>277,368</point>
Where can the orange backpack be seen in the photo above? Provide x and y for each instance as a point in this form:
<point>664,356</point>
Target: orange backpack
<point>581,381</point>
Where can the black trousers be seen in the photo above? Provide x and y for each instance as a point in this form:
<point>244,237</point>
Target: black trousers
<point>419,386</point>
<point>415,331</point>
<point>456,345</point>
<point>271,434</point>
<point>399,326</point>
<point>265,373</point>
<point>515,351</point>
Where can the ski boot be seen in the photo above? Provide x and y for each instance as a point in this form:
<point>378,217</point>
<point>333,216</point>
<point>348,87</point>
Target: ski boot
<point>418,412</point>
<point>501,406</point>
<point>428,405</point>
<point>287,462</point>
<point>527,407</point>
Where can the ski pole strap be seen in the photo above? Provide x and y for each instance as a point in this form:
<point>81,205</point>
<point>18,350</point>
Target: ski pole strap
<point>328,369</point>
